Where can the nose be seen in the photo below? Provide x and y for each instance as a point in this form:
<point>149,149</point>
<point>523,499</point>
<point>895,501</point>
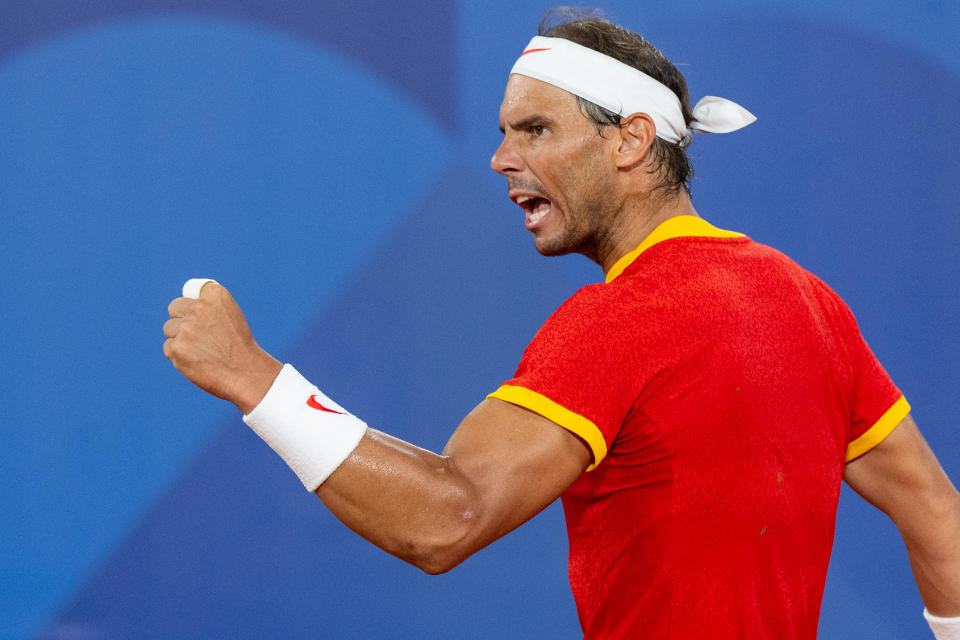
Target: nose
<point>505,159</point>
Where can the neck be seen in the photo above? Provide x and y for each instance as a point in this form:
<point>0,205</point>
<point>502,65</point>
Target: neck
<point>639,219</point>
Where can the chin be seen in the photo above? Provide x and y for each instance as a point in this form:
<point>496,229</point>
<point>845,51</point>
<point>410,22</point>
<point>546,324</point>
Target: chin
<point>550,249</point>
<point>556,246</point>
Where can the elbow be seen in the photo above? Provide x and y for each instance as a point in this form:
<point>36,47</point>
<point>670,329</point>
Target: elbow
<point>440,555</point>
<point>434,568</point>
<point>440,563</point>
<point>934,515</point>
<point>454,533</point>
<point>437,565</point>
<point>448,528</point>
<point>447,544</point>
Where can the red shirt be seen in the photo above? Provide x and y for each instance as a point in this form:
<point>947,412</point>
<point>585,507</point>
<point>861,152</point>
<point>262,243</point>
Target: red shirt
<point>721,388</point>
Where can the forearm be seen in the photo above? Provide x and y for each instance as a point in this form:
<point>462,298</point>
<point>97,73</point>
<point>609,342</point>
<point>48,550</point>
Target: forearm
<point>902,478</point>
<point>933,546</point>
<point>408,501</point>
<point>412,503</point>
<point>502,465</point>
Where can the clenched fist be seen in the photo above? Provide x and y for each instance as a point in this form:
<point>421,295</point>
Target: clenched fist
<point>209,342</point>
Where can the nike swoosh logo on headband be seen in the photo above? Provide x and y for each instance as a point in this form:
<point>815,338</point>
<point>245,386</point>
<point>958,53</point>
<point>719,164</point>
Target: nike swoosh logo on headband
<point>312,402</point>
<point>534,51</point>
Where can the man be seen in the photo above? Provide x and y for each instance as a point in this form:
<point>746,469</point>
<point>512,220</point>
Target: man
<point>696,412</point>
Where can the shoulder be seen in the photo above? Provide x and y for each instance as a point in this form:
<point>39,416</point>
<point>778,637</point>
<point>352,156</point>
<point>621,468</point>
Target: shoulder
<point>592,299</point>
<point>620,316</point>
<point>582,314</point>
<point>773,266</point>
<point>603,305</point>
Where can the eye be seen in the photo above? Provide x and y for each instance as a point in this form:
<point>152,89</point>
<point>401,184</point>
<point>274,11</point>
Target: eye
<point>536,129</point>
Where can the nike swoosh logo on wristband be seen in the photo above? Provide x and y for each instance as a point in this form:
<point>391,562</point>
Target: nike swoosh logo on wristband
<point>312,402</point>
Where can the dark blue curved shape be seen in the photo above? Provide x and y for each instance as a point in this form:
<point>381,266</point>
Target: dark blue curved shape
<point>376,34</point>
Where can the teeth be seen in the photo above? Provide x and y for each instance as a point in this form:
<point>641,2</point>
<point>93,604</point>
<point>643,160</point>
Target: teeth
<point>522,199</point>
<point>535,217</point>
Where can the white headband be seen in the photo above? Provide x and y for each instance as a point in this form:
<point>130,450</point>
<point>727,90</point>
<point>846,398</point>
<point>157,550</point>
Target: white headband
<point>624,90</point>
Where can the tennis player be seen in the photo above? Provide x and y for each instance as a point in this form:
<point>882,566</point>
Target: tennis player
<point>696,412</point>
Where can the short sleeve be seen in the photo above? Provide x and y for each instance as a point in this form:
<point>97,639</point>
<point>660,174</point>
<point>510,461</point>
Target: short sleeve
<point>579,372</point>
<point>877,405</point>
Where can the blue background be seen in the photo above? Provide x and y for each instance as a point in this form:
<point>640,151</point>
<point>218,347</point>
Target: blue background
<point>328,162</point>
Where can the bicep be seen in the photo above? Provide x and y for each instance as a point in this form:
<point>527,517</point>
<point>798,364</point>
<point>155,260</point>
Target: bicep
<point>516,461</point>
<point>901,477</point>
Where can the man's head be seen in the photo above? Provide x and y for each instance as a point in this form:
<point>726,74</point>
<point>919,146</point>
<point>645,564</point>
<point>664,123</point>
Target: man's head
<point>669,160</point>
<point>574,166</point>
<point>558,169</point>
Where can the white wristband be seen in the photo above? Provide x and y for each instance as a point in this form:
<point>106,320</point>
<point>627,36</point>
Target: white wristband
<point>311,432</point>
<point>943,628</point>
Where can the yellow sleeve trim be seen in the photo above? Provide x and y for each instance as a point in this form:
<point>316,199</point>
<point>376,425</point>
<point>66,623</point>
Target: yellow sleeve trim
<point>552,411</point>
<point>880,429</point>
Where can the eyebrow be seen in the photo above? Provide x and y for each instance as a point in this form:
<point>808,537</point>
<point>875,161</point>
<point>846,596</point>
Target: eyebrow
<point>523,123</point>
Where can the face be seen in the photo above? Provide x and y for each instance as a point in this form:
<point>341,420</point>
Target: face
<point>558,169</point>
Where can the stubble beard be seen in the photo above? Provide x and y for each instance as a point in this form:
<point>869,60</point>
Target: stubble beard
<point>589,225</point>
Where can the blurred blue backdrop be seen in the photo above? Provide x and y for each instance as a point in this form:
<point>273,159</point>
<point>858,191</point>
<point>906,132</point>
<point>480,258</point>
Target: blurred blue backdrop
<point>328,162</point>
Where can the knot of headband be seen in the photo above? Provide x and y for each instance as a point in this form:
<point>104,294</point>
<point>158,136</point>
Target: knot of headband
<point>624,90</point>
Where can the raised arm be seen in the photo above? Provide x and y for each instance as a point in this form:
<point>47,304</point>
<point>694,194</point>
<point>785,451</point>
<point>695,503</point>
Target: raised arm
<point>902,478</point>
<point>502,465</point>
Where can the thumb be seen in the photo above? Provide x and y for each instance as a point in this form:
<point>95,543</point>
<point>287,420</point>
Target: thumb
<point>193,287</point>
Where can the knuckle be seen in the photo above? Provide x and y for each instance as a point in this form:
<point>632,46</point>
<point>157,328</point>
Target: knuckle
<point>175,350</point>
<point>185,330</point>
<point>178,307</point>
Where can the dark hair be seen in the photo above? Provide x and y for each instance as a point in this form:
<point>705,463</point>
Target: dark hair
<point>589,29</point>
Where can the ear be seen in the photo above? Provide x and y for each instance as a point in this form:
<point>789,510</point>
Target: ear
<point>637,132</point>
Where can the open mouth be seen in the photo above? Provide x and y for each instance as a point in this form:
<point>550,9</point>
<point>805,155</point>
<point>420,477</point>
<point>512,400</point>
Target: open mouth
<point>535,208</point>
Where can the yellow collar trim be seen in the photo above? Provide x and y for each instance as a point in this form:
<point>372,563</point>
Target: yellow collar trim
<point>678,227</point>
